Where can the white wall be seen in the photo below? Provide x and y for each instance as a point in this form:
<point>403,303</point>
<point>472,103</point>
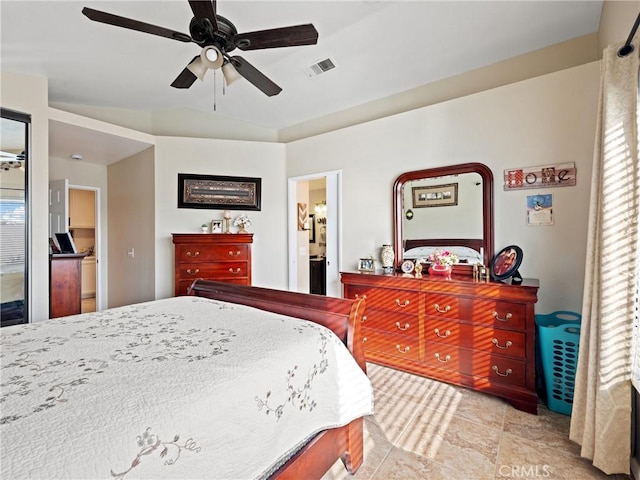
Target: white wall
<point>28,94</point>
<point>545,120</point>
<point>222,157</point>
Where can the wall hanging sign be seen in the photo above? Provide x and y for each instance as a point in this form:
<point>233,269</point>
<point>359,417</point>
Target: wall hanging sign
<point>435,195</point>
<point>218,192</point>
<point>558,175</point>
<point>540,209</point>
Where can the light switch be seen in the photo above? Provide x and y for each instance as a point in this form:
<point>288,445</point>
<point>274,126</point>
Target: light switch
<point>131,253</point>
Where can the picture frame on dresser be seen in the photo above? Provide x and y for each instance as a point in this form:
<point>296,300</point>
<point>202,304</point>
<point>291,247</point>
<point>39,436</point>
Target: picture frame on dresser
<point>219,192</point>
<point>506,263</point>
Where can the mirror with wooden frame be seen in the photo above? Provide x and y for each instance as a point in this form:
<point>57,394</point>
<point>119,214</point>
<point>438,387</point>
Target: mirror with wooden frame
<point>444,208</point>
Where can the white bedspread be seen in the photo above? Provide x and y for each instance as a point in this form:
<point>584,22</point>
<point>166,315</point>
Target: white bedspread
<point>182,388</point>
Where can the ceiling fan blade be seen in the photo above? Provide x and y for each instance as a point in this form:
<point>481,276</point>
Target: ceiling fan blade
<point>185,79</point>
<point>277,37</point>
<point>118,21</point>
<point>253,75</point>
<point>205,9</point>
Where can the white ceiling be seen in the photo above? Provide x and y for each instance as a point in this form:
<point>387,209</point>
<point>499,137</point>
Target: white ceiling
<point>381,48</point>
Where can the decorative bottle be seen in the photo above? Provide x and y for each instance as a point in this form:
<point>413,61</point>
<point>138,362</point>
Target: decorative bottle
<point>387,257</point>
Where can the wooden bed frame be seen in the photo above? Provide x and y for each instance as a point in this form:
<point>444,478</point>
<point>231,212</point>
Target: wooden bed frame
<point>340,315</point>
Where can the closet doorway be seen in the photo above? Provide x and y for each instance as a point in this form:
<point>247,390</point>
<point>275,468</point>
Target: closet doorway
<point>14,218</point>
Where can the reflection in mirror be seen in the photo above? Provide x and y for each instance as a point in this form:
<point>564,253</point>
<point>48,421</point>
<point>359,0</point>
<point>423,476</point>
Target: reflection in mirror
<point>14,129</point>
<point>445,208</point>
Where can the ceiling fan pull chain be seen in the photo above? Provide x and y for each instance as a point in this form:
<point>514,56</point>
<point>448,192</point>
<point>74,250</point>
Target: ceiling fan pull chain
<point>214,91</point>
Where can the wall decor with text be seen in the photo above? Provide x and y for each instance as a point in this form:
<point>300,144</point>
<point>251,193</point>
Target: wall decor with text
<point>558,175</point>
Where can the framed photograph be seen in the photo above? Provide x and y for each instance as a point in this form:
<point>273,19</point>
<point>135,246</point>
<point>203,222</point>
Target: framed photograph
<point>66,243</point>
<point>435,196</point>
<point>366,264</point>
<point>218,192</point>
<point>506,263</point>
<point>216,226</point>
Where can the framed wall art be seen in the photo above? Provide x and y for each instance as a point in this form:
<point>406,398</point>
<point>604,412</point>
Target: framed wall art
<point>435,195</point>
<point>218,192</point>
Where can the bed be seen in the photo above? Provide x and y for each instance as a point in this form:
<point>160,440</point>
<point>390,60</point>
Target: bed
<point>226,382</point>
<point>468,250</point>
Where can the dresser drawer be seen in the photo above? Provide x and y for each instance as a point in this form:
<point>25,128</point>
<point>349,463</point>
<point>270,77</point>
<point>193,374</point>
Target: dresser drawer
<point>217,270</point>
<point>397,323</point>
<point>390,344</point>
<point>487,312</point>
<point>400,301</point>
<point>490,340</point>
<point>208,253</point>
<point>183,285</point>
<point>479,364</point>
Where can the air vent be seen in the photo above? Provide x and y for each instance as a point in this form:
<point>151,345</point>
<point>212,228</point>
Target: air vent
<point>319,67</point>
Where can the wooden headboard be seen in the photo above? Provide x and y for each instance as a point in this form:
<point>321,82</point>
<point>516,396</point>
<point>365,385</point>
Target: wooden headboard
<point>474,243</point>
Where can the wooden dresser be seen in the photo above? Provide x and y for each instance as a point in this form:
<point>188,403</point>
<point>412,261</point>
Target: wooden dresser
<point>465,332</point>
<point>225,257</point>
<point>65,284</point>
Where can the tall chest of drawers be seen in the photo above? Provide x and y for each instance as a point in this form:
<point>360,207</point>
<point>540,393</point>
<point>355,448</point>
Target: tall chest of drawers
<point>211,256</point>
<point>469,333</point>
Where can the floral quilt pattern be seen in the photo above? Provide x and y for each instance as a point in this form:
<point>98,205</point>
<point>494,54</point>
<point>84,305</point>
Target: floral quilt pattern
<point>217,390</point>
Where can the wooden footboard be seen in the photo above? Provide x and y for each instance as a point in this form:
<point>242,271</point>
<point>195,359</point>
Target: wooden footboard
<point>343,317</point>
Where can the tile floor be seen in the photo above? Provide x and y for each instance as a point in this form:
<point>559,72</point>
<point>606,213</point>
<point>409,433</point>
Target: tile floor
<point>423,429</point>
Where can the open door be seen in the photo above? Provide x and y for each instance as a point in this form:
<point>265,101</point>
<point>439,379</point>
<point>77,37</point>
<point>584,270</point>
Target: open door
<point>58,207</point>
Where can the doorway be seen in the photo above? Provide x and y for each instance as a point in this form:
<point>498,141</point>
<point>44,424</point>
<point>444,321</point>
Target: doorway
<point>305,192</point>
<point>76,209</point>
<point>14,218</point>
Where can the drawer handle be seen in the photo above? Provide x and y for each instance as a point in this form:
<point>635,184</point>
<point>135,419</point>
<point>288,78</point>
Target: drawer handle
<point>402,305</point>
<point>497,317</point>
<point>364,319</point>
<point>364,339</point>
<point>236,271</point>
<point>442,310</point>
<point>194,254</point>
<point>506,345</point>
<point>404,350</point>
<point>235,254</point>
<point>406,326</point>
<point>505,374</point>
<point>364,297</point>
<point>193,272</point>
<point>446,333</point>
<point>446,358</point>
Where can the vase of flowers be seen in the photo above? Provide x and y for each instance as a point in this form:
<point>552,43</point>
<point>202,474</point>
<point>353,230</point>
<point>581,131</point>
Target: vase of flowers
<point>242,221</point>
<point>441,262</point>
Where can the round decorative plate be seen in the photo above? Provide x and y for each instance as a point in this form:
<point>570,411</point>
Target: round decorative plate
<point>407,266</point>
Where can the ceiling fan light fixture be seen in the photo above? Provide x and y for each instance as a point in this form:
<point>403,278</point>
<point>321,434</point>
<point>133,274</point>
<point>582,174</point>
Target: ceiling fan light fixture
<point>197,68</point>
<point>230,73</point>
<point>212,57</point>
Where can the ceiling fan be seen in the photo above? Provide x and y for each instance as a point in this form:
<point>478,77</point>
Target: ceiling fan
<point>11,160</point>
<point>217,36</point>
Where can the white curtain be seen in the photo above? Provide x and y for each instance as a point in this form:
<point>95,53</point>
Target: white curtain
<point>601,417</point>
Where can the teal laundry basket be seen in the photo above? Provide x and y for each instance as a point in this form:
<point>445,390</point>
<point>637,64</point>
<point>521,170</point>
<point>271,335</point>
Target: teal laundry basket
<point>559,339</point>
